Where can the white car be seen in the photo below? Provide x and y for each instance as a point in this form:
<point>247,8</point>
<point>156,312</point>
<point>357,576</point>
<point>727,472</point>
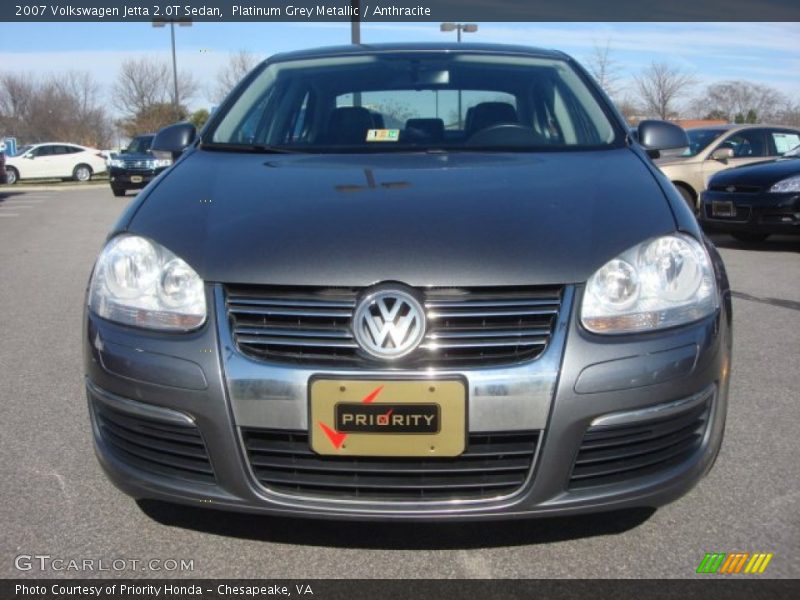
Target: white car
<point>55,159</point>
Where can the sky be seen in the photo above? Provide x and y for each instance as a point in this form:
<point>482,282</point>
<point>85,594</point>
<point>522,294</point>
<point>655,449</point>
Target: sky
<point>767,53</point>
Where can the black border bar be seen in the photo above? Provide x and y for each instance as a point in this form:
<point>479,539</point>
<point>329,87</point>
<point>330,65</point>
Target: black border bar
<point>709,587</point>
<point>402,10</point>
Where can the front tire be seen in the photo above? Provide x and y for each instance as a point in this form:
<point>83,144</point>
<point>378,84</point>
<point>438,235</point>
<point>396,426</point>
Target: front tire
<point>118,191</point>
<point>688,198</point>
<point>751,238</point>
<point>82,173</point>
<point>11,175</point>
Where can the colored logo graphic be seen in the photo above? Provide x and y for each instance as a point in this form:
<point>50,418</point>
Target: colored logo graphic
<point>737,562</point>
<point>337,438</point>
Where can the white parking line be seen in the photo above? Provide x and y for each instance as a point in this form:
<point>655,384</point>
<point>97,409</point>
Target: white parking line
<point>16,206</point>
<point>20,201</point>
<point>5,214</point>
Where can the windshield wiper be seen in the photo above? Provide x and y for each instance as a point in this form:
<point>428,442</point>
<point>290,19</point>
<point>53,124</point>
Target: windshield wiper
<point>252,148</point>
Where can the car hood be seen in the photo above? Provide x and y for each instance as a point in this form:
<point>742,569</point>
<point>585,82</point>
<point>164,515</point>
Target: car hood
<point>675,160</point>
<point>133,156</point>
<point>456,219</point>
<point>758,174</point>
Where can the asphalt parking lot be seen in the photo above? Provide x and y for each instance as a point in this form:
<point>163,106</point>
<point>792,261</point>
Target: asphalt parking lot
<point>54,499</point>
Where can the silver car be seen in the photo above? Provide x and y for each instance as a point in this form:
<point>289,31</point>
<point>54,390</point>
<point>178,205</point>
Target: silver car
<point>720,147</point>
<point>410,282</point>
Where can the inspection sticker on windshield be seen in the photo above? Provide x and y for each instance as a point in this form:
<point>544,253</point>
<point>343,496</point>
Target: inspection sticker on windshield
<point>383,135</point>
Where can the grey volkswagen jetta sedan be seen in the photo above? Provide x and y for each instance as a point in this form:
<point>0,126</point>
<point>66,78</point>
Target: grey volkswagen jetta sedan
<point>410,282</point>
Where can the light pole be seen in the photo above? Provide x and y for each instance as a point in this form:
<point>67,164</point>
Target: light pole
<point>458,28</point>
<point>181,23</point>
<point>355,37</point>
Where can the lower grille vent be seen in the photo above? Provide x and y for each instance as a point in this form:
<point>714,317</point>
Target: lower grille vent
<point>159,447</point>
<point>495,464</point>
<point>611,454</point>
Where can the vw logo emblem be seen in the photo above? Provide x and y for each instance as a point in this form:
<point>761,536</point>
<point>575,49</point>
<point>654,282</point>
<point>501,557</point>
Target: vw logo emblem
<point>389,323</point>
<point>730,189</point>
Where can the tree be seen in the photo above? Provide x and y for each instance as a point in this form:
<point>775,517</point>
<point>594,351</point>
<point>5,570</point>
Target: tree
<point>144,88</point>
<point>61,107</point>
<point>17,92</point>
<point>604,68</point>
<point>239,64</point>
<point>152,118</point>
<point>199,117</point>
<point>751,102</point>
<point>628,109</point>
<point>661,86</point>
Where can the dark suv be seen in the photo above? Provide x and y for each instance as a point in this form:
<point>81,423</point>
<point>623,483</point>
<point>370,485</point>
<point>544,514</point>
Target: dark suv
<point>135,167</point>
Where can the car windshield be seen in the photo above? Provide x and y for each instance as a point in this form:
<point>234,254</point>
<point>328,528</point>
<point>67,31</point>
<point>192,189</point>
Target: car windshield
<point>22,150</point>
<point>699,139</point>
<point>414,101</point>
<point>793,153</point>
<point>140,145</point>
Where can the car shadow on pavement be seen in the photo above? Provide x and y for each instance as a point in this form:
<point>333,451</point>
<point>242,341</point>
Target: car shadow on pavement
<point>388,535</point>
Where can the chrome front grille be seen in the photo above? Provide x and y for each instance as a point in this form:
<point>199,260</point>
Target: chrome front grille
<point>466,326</point>
<point>736,189</point>
<point>138,164</point>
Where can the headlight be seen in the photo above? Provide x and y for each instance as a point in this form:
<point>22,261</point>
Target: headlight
<point>660,283</point>
<point>792,184</point>
<point>160,162</point>
<point>137,282</point>
<point>115,162</point>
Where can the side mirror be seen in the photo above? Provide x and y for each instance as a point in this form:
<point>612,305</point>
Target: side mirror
<point>722,154</point>
<point>667,139</point>
<point>29,156</point>
<point>173,140</point>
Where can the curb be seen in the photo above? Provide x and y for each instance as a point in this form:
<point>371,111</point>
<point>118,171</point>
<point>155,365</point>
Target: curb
<point>53,187</point>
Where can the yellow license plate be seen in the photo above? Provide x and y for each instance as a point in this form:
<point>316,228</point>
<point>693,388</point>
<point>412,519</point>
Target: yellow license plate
<point>387,417</point>
<point>136,179</point>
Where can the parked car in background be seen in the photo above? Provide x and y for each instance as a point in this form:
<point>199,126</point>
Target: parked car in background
<point>321,312</point>
<point>135,167</point>
<point>754,201</point>
<point>2,168</point>
<point>54,160</point>
<point>713,149</point>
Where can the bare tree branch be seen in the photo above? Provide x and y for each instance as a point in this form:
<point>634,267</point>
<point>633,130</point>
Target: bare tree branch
<point>143,93</point>
<point>239,64</point>
<point>62,107</point>
<point>604,68</point>
<point>730,100</point>
<point>661,86</point>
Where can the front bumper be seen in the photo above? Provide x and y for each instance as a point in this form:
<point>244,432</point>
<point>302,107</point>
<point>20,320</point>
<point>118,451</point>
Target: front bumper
<point>759,212</point>
<point>201,380</point>
<point>132,178</point>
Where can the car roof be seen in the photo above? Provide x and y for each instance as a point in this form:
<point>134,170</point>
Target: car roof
<point>55,144</point>
<point>443,47</point>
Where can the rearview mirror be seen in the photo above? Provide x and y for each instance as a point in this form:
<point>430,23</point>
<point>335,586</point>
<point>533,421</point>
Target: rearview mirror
<point>172,140</point>
<point>665,138</point>
<point>722,154</point>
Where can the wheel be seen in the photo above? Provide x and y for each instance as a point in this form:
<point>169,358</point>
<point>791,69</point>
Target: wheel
<point>688,197</point>
<point>82,173</point>
<point>118,191</point>
<point>746,236</point>
<point>11,175</point>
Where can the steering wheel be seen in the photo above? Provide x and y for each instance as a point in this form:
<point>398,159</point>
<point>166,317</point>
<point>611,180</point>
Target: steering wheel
<point>506,134</point>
